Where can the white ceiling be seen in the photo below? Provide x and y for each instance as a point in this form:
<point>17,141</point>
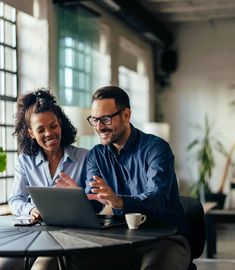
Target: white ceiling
<point>190,10</point>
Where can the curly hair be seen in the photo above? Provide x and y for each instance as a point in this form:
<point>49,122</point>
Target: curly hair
<point>36,102</point>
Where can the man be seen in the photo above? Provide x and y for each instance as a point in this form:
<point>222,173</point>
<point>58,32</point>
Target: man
<point>133,172</point>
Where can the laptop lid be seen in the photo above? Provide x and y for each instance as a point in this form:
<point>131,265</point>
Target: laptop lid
<point>68,207</point>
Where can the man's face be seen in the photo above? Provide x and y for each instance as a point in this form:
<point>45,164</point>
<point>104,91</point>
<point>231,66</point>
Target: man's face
<point>114,132</point>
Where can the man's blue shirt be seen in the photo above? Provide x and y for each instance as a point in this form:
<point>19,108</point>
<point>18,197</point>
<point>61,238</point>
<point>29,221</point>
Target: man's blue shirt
<point>143,175</point>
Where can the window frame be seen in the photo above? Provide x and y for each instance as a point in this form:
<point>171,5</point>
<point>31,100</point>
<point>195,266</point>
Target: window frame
<point>6,97</point>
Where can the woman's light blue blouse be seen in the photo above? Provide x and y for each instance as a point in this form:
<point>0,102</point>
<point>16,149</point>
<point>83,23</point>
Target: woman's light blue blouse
<point>34,171</point>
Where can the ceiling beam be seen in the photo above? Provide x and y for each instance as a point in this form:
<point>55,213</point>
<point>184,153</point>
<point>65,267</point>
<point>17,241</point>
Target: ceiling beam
<point>193,17</point>
<point>186,6</point>
<point>135,16</point>
<point>141,20</point>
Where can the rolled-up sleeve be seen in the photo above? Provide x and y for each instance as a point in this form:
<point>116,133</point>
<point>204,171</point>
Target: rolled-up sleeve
<point>157,187</point>
<point>18,200</point>
<point>143,174</point>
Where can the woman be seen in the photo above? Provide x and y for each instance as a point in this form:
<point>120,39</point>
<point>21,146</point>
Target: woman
<point>44,135</point>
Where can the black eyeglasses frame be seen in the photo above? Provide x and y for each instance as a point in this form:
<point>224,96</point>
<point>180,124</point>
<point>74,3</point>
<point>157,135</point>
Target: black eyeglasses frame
<point>110,116</point>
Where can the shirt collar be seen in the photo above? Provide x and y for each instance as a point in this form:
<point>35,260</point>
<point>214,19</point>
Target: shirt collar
<point>129,146</point>
<point>68,154</point>
<point>39,158</point>
<point>130,143</point>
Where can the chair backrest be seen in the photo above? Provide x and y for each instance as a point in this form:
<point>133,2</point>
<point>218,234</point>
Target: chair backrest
<point>196,221</point>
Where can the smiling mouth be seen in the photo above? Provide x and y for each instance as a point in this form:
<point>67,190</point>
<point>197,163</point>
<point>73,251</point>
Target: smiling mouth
<point>51,140</point>
<point>104,134</point>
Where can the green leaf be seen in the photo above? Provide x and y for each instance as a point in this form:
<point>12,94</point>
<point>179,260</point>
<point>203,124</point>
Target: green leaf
<point>3,160</point>
<point>220,148</point>
<point>206,145</point>
<point>192,144</point>
<point>195,190</point>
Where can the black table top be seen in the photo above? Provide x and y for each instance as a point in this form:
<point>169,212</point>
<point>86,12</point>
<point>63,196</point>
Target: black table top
<point>42,240</point>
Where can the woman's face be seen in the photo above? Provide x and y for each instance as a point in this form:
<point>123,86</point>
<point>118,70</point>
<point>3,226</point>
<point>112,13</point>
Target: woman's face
<point>45,128</point>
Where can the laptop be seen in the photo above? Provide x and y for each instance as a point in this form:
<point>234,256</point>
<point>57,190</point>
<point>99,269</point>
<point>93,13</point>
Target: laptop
<point>69,207</point>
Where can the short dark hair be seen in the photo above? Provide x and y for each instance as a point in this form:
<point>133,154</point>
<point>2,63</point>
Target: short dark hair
<point>36,102</point>
<point>119,95</point>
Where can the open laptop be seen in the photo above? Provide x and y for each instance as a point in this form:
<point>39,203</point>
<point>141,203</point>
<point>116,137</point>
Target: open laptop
<point>69,207</point>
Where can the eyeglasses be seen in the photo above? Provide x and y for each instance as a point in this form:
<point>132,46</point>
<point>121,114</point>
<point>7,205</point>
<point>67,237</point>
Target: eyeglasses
<point>105,119</point>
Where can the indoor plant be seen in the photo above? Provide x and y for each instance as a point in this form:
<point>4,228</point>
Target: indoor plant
<point>3,160</point>
<point>205,145</point>
<point>228,163</point>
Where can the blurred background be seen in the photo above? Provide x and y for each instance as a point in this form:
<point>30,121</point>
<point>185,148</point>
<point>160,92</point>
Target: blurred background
<point>175,59</point>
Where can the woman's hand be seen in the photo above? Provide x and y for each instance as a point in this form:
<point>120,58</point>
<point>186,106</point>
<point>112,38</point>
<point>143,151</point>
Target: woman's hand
<point>35,215</point>
<point>65,181</point>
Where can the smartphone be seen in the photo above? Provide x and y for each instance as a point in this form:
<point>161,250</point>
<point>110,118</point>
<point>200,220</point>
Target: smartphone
<point>24,221</point>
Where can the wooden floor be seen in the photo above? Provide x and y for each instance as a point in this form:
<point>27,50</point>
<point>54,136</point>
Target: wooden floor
<point>225,257</point>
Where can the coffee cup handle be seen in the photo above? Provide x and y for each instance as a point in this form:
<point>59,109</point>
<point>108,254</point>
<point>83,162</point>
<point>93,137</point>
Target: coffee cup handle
<point>143,218</point>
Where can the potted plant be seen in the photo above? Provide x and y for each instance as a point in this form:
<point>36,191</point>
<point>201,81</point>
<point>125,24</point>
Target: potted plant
<point>205,145</point>
<point>3,160</point>
<point>228,163</point>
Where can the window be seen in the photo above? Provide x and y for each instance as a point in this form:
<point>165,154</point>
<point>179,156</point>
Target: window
<point>8,94</point>
<point>78,43</point>
<point>83,63</point>
<point>137,87</point>
<point>75,72</point>
<point>133,78</point>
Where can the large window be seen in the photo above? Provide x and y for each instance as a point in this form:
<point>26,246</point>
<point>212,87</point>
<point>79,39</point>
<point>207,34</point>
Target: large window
<point>78,39</point>
<point>8,94</point>
<point>75,72</point>
<point>137,87</point>
<point>133,77</point>
<point>83,63</point>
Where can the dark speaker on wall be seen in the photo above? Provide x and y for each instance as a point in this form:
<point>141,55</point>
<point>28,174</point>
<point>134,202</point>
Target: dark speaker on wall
<point>168,61</point>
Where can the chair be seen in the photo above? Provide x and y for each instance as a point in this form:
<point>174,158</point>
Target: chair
<point>230,194</point>
<point>196,221</point>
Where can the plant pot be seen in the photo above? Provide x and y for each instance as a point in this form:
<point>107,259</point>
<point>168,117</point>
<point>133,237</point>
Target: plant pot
<point>219,198</point>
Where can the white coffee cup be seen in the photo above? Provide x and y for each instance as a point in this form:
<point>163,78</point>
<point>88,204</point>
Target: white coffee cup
<point>134,220</point>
